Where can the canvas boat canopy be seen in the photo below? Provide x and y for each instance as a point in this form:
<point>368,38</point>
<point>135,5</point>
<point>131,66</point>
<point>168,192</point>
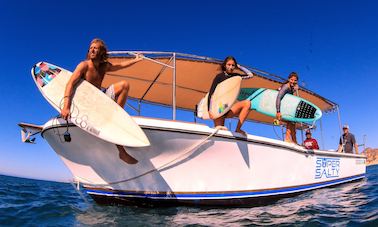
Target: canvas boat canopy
<point>181,80</point>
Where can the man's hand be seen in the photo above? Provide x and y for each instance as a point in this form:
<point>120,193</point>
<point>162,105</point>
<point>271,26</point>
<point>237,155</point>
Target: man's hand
<point>139,57</point>
<point>65,113</point>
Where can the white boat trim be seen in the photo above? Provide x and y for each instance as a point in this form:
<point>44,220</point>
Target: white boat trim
<point>221,195</point>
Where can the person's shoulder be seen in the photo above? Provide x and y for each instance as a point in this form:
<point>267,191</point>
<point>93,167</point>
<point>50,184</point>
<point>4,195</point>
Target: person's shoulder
<point>283,86</point>
<point>83,64</point>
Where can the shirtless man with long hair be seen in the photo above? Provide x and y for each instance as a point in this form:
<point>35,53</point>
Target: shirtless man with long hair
<point>93,70</point>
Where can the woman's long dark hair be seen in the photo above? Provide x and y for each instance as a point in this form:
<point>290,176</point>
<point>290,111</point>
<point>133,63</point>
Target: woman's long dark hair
<point>223,66</point>
<point>292,74</point>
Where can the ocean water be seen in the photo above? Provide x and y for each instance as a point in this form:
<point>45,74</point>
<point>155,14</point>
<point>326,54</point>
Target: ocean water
<point>26,202</point>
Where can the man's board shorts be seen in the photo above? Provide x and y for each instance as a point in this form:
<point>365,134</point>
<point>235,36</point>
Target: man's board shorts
<point>109,91</point>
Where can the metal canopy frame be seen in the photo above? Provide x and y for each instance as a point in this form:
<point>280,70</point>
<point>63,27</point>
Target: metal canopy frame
<point>152,56</point>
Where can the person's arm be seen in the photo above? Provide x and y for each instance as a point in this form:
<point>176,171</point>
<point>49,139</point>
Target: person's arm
<point>246,71</point>
<point>75,78</point>
<point>316,145</point>
<point>340,148</point>
<point>355,144</point>
<point>124,64</point>
<point>280,95</point>
<point>296,90</point>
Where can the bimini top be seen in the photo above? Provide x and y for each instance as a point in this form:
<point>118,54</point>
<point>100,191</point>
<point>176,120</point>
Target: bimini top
<point>152,80</point>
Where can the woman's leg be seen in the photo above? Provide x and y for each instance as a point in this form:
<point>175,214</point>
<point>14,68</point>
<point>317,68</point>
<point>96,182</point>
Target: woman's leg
<point>219,121</point>
<point>291,133</point>
<point>242,109</point>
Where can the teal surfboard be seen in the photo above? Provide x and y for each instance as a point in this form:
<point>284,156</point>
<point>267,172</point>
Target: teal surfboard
<point>293,108</point>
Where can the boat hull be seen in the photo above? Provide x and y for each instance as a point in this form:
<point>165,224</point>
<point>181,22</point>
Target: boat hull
<point>192,164</point>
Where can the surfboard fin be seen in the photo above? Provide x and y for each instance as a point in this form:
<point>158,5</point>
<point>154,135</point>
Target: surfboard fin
<point>28,131</point>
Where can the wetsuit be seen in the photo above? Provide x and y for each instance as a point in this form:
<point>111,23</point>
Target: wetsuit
<point>217,80</point>
<point>282,91</point>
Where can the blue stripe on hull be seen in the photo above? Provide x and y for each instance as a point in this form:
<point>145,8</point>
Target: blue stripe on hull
<point>223,195</point>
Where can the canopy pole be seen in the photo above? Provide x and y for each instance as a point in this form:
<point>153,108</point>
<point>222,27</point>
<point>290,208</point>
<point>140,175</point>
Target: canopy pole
<point>321,133</point>
<point>139,106</point>
<point>174,88</point>
<point>133,108</point>
<point>283,134</point>
<point>340,127</point>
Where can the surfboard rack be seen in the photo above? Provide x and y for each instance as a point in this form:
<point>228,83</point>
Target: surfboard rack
<point>28,131</point>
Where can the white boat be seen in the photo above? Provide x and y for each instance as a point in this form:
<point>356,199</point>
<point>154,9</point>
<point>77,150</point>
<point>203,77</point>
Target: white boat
<point>190,163</point>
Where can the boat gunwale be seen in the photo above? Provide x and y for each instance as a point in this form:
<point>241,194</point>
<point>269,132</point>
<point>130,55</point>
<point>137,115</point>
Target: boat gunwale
<point>224,135</point>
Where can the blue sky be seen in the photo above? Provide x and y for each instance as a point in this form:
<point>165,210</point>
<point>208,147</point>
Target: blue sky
<point>331,44</point>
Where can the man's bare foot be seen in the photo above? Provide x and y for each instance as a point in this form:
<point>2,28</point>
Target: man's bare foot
<point>241,132</point>
<point>221,127</point>
<point>124,156</point>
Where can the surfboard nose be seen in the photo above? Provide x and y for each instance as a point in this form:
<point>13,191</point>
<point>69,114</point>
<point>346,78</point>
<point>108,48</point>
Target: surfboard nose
<point>144,141</point>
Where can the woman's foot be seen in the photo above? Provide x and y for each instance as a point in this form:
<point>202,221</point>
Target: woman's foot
<point>221,127</point>
<point>241,132</point>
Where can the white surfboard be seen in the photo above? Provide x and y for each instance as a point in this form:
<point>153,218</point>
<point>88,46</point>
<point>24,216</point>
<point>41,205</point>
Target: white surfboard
<point>223,98</point>
<point>91,109</point>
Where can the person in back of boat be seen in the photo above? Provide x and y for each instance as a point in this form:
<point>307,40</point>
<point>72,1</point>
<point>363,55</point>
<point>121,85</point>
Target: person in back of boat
<point>93,70</point>
<point>347,142</point>
<point>290,87</point>
<point>240,108</point>
<point>310,143</point>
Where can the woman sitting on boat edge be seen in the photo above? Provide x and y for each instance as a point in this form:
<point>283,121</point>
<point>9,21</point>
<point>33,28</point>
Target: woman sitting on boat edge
<point>290,87</point>
<point>239,108</point>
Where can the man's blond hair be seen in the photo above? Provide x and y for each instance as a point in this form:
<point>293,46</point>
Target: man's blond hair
<point>103,49</point>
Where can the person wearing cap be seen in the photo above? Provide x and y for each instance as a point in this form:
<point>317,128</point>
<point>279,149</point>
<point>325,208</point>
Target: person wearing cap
<point>347,141</point>
<point>310,143</point>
